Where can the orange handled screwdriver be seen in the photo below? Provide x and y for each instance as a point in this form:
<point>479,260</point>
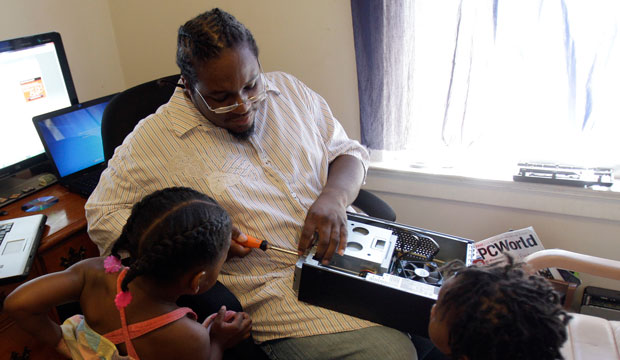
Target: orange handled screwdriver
<point>253,242</point>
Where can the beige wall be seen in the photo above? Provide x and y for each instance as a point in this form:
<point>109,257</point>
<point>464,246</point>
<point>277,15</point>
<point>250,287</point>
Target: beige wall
<point>87,35</point>
<point>311,39</point>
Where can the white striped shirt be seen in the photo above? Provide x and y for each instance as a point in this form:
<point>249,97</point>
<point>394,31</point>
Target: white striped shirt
<point>266,183</point>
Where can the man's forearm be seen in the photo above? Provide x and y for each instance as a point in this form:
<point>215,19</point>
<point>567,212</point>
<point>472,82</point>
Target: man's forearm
<point>345,177</point>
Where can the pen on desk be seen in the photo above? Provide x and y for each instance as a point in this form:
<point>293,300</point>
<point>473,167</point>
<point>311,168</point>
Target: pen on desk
<point>253,242</point>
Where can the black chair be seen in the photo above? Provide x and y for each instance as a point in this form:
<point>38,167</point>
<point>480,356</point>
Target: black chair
<point>374,206</point>
<point>130,106</point>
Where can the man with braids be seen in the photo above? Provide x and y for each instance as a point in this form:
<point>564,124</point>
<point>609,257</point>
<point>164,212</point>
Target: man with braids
<point>135,307</point>
<point>269,150</point>
<point>497,312</point>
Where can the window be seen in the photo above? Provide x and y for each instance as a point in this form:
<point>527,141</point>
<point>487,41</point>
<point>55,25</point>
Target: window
<point>472,84</point>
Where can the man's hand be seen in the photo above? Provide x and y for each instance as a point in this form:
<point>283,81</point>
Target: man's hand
<point>236,249</point>
<point>326,222</point>
<point>325,225</point>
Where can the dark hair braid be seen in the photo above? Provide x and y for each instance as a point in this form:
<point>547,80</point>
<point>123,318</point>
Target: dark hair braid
<point>172,231</point>
<point>500,312</point>
<point>125,242</point>
<point>205,36</point>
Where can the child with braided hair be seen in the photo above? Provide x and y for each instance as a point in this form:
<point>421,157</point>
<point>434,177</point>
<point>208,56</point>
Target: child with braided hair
<point>177,240</point>
<point>497,312</point>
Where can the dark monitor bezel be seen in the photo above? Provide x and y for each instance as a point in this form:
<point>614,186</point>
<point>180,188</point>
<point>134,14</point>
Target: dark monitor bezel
<point>34,40</point>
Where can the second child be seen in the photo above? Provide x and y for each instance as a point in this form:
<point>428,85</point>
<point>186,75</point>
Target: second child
<point>497,312</point>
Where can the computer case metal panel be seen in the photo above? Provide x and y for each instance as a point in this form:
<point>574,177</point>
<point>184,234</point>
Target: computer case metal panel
<point>400,303</point>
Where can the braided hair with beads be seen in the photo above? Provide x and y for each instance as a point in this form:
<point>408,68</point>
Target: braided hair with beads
<point>501,312</point>
<point>172,231</point>
<point>205,36</point>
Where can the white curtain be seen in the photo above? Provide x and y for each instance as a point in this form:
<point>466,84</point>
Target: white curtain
<point>490,81</point>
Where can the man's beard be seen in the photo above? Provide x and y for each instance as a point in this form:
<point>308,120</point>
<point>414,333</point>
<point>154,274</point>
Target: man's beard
<point>244,135</point>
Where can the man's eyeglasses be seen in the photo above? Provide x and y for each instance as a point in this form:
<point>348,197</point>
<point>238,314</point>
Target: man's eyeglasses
<point>250,100</point>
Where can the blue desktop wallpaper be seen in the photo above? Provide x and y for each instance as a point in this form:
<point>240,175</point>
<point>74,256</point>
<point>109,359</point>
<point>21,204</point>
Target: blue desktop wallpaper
<point>74,139</point>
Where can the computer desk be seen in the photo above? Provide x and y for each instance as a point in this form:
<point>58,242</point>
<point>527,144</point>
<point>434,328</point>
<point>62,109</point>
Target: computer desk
<point>64,242</point>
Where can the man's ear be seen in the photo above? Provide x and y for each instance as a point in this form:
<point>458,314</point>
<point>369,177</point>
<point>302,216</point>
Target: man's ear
<point>187,89</point>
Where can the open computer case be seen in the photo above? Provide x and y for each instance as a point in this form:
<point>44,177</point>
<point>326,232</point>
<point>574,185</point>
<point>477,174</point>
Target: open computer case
<point>388,273</point>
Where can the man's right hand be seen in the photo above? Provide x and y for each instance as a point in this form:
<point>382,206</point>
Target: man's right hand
<point>236,249</point>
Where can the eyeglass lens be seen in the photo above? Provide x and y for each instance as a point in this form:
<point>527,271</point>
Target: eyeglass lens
<point>254,94</point>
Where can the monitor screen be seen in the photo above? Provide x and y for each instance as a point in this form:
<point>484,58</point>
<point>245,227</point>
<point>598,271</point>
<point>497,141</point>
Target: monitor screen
<point>72,136</point>
<point>35,80</point>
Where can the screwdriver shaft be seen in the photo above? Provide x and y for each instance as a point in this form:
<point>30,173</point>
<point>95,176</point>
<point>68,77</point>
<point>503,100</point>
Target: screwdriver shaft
<point>271,247</point>
<point>253,242</point>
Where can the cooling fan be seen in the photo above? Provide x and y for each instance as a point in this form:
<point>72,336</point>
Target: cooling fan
<point>422,271</point>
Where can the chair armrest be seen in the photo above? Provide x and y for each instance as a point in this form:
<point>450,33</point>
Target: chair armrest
<point>575,262</point>
<point>374,206</point>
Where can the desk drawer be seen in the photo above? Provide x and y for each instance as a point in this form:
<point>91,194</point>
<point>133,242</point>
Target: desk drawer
<point>6,289</point>
<point>68,252</point>
<point>17,344</point>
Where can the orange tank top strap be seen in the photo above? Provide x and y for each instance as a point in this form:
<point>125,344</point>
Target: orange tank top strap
<point>131,351</point>
<point>138,329</point>
<point>126,333</point>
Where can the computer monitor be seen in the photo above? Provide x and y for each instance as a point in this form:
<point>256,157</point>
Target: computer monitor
<point>35,80</point>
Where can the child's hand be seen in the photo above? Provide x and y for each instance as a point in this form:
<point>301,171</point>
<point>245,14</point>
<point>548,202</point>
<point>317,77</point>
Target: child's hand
<point>228,328</point>
<point>227,317</point>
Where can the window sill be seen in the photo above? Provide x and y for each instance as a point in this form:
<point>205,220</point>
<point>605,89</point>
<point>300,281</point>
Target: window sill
<point>597,203</point>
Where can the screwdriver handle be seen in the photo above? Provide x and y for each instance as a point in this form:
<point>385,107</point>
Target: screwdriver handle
<point>253,242</point>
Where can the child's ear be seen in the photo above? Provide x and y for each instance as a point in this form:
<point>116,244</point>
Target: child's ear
<point>433,310</point>
<point>197,279</point>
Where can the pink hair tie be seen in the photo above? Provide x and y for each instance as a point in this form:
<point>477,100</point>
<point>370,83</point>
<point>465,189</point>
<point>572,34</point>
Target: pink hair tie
<point>112,264</point>
<point>122,299</point>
